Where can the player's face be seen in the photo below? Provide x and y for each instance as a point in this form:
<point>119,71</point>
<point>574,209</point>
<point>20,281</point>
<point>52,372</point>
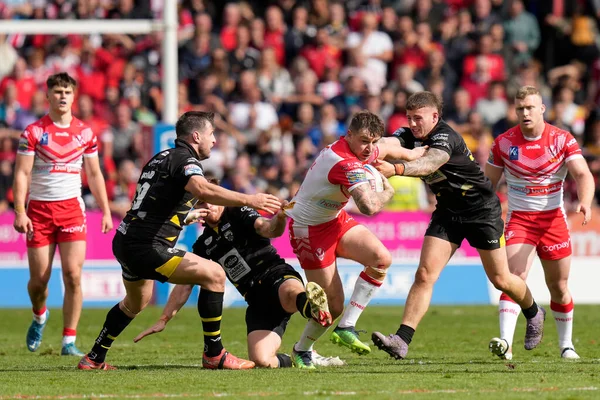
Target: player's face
<point>215,213</point>
<point>206,140</point>
<point>530,112</point>
<point>61,99</point>
<point>362,144</point>
<point>422,120</point>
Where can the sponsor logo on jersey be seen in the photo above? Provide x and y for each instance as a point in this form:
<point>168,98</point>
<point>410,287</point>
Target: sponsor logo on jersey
<point>148,175</point>
<point>434,177</point>
<point>533,147</point>
<point>356,176</point>
<point>228,235</point>
<point>513,153</point>
<point>571,142</point>
<point>61,134</point>
<point>330,204</point>
<point>226,226</point>
<point>557,246</point>
<point>44,139</point>
<point>208,241</point>
<point>537,190</point>
<point>192,169</point>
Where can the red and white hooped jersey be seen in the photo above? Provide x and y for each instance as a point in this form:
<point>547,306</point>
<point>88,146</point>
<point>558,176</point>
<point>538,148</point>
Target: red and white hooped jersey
<point>321,195</point>
<point>535,169</point>
<point>59,152</point>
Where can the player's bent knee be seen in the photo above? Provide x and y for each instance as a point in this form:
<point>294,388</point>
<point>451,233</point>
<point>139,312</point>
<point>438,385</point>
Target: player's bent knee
<point>424,277</point>
<point>384,259</point>
<point>37,285</point>
<point>377,273</point>
<point>500,282</point>
<point>264,361</point>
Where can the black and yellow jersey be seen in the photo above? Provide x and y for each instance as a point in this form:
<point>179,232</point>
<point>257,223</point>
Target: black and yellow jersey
<point>238,248</point>
<point>459,185</point>
<point>161,202</point>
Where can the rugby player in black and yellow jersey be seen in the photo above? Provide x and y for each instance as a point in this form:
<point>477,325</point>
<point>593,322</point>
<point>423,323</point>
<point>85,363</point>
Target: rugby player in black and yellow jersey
<point>145,240</point>
<point>238,238</point>
<point>467,208</point>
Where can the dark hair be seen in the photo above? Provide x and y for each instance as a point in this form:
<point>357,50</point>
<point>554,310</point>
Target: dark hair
<point>366,120</point>
<point>192,121</point>
<point>424,99</point>
<point>62,79</point>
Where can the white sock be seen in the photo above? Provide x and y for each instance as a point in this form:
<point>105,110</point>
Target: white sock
<point>68,339</point>
<point>311,333</point>
<point>40,319</point>
<point>508,314</point>
<point>364,289</point>
<point>563,315</point>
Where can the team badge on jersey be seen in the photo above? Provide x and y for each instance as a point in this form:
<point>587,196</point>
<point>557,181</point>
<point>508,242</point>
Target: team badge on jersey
<point>44,139</point>
<point>356,176</point>
<point>513,153</point>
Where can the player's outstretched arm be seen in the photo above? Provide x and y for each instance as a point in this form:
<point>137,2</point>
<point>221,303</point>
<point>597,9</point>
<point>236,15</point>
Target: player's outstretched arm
<point>98,188</point>
<point>271,228</point>
<point>391,150</point>
<point>23,167</point>
<point>215,194</point>
<point>586,187</point>
<point>177,299</point>
<point>494,173</point>
<point>426,165</point>
<point>370,202</point>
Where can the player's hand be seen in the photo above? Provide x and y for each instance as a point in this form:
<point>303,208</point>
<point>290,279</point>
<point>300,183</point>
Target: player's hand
<point>417,152</point>
<point>196,215</point>
<point>281,213</point>
<point>385,168</point>
<point>159,326</point>
<point>265,202</point>
<point>586,210</point>
<point>107,223</point>
<point>22,223</point>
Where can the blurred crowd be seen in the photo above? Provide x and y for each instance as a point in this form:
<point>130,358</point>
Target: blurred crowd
<point>285,76</point>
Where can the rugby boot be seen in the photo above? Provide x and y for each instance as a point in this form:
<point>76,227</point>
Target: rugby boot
<point>87,364</point>
<point>303,359</point>
<point>348,337</point>
<point>535,330</point>
<point>569,353</point>
<point>71,350</point>
<point>501,348</point>
<point>391,344</point>
<point>225,360</point>
<point>319,308</point>
<point>35,332</point>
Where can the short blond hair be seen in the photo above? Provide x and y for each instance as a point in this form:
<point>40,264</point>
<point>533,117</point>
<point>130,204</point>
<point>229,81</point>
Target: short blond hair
<point>525,91</point>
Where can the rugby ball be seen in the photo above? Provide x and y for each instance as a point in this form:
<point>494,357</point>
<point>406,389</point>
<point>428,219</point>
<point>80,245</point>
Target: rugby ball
<point>374,177</point>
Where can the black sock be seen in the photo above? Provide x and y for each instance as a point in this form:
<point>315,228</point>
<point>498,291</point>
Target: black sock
<point>302,305</point>
<point>210,308</point>
<point>531,311</point>
<point>406,333</point>
<point>116,321</point>
<point>285,361</point>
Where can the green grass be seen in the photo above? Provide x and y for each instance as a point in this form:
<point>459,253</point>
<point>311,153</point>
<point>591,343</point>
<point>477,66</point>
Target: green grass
<point>448,360</point>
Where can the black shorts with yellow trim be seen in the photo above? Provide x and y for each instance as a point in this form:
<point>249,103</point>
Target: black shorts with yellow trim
<point>153,261</point>
<point>483,228</point>
<point>265,312</point>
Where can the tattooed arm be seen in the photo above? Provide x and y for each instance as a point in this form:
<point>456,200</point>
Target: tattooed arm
<point>370,202</point>
<point>390,149</point>
<point>429,163</point>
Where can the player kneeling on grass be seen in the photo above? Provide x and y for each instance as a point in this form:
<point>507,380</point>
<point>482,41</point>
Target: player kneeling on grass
<point>238,239</point>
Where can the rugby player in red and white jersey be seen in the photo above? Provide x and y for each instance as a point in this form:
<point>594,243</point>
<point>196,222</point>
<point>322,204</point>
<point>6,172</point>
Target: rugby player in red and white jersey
<point>51,153</point>
<point>535,157</point>
<point>320,229</point>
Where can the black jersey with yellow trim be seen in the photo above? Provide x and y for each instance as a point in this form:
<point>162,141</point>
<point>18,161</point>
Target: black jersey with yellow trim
<point>161,202</point>
<point>238,248</point>
<point>459,185</point>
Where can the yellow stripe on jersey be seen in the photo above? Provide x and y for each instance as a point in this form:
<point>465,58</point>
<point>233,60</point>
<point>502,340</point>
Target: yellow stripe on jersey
<point>211,319</point>
<point>291,277</point>
<point>111,337</point>
<point>217,333</point>
<point>502,241</point>
<point>175,220</point>
<point>171,238</point>
<point>169,267</point>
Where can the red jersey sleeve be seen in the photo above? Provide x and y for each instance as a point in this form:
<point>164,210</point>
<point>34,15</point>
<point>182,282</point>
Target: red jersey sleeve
<point>28,141</point>
<point>495,157</point>
<point>348,174</point>
<point>571,149</point>
<point>91,143</point>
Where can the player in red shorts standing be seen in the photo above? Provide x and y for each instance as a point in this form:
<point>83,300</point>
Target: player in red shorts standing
<point>320,230</point>
<point>51,153</point>
<point>535,157</point>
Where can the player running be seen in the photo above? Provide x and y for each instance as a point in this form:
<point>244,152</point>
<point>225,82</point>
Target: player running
<point>51,153</point>
<point>238,239</point>
<point>535,157</point>
<point>145,240</point>
<point>320,229</point>
<point>467,208</point>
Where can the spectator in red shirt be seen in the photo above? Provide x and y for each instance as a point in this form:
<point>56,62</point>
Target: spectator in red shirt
<point>495,61</point>
<point>322,55</point>
<point>23,81</point>
<point>275,30</point>
<point>231,19</point>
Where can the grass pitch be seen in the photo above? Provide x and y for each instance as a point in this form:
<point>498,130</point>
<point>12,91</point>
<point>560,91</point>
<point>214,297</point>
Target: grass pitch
<point>448,360</point>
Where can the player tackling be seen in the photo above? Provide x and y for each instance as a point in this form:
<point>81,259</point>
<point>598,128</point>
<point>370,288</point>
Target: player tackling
<point>51,153</point>
<point>535,157</point>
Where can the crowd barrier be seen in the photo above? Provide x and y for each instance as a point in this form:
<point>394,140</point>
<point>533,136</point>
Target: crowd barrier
<point>462,282</point>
